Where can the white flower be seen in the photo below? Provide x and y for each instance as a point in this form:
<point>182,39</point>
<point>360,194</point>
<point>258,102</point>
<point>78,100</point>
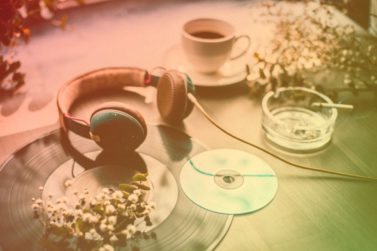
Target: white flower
<point>93,235</point>
<point>94,219</point>
<point>110,228</point>
<point>113,238</point>
<point>90,218</point>
<point>45,11</point>
<point>61,207</point>
<point>131,229</point>
<point>88,236</point>
<point>39,202</point>
<point>79,212</point>
<point>106,247</point>
<point>87,217</point>
<point>146,211</point>
<point>93,202</point>
<point>347,81</point>
<point>137,192</point>
<point>103,227</point>
<point>133,198</point>
<point>110,209</point>
<point>86,210</point>
<point>100,196</point>
<point>152,205</point>
<point>68,183</point>
<point>105,190</point>
<point>149,208</point>
<point>125,232</point>
<point>35,206</point>
<point>117,195</point>
<point>112,220</point>
<point>69,211</point>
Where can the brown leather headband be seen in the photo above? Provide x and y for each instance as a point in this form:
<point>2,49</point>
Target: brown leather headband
<point>114,78</point>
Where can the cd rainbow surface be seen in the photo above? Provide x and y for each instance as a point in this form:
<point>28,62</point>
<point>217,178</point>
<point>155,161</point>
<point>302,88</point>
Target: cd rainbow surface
<point>228,181</point>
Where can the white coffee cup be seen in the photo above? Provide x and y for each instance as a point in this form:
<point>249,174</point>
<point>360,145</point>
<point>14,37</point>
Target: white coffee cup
<point>208,43</point>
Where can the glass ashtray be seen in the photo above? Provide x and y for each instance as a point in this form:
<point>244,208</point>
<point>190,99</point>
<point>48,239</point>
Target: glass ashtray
<point>297,119</point>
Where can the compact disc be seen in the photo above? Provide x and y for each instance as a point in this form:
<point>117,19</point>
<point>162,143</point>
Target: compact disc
<point>228,181</point>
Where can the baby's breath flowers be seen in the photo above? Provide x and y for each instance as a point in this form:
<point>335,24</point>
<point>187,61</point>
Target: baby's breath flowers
<point>101,222</point>
<point>310,42</point>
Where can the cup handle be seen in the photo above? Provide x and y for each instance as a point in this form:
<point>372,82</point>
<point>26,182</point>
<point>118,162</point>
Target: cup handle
<point>246,48</point>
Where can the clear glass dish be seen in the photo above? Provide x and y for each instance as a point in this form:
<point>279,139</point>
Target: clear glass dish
<point>292,122</point>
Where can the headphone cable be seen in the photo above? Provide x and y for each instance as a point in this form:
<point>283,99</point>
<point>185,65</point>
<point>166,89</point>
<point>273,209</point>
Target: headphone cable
<point>201,109</point>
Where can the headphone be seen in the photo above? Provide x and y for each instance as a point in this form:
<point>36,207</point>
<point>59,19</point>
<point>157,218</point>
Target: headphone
<point>113,125</point>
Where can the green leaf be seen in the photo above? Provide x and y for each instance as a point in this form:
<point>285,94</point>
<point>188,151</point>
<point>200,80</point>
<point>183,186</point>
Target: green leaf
<point>98,209</point>
<point>79,226</point>
<point>127,187</point>
<point>60,231</point>
<point>141,186</point>
<point>140,177</point>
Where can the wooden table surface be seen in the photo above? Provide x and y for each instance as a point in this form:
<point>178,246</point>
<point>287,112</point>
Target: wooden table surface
<point>311,211</point>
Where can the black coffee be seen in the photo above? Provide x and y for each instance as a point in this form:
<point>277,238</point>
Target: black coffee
<point>207,34</point>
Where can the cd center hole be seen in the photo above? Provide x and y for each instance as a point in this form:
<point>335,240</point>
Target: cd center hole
<point>228,179</point>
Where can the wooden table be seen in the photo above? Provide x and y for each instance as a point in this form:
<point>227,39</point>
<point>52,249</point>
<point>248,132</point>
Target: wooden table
<point>311,211</point>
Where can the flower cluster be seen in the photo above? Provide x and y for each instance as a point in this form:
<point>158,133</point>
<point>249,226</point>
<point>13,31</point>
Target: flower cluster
<point>100,222</point>
<point>312,41</point>
<point>14,15</point>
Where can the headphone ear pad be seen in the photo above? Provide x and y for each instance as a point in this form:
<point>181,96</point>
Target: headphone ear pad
<point>172,100</point>
<point>190,89</point>
<point>117,130</point>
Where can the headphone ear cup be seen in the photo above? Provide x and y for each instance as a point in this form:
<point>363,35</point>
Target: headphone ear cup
<point>117,128</point>
<point>190,89</point>
<point>172,100</point>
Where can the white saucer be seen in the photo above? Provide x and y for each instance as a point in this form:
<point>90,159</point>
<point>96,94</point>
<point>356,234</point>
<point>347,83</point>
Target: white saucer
<point>232,72</point>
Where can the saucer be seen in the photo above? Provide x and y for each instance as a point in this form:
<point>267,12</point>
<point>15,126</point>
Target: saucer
<point>232,72</point>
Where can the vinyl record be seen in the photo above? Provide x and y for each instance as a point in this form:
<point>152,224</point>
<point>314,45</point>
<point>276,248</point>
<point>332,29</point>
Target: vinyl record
<point>178,223</point>
<point>228,181</point>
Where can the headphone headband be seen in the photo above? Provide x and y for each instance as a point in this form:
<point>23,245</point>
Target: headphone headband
<point>114,78</point>
<point>116,126</point>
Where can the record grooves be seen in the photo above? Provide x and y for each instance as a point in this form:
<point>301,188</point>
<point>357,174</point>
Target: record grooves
<point>185,226</point>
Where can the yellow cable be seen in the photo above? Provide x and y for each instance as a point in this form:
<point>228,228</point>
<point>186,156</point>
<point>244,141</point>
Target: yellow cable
<point>198,105</point>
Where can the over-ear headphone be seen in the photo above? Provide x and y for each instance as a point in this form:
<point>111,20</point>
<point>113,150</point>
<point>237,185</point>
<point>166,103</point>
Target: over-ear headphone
<point>113,125</point>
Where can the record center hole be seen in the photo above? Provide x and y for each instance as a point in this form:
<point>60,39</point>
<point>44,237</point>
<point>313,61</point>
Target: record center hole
<point>228,179</point>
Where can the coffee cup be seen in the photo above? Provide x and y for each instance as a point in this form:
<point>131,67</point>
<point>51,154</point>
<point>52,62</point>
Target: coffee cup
<point>208,43</point>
